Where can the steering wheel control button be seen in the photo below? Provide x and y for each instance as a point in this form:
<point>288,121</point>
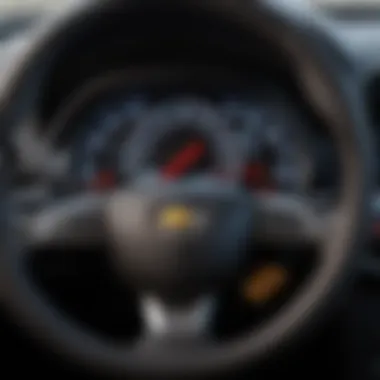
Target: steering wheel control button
<point>265,284</point>
<point>177,321</point>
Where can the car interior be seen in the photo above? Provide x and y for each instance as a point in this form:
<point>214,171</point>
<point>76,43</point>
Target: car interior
<point>189,190</point>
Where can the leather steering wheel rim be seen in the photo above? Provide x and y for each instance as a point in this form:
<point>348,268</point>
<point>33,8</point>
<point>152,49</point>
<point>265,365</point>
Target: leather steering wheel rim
<point>328,82</point>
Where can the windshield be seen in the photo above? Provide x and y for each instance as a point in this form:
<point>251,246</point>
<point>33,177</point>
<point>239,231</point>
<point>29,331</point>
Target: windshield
<point>33,5</point>
<point>21,6</point>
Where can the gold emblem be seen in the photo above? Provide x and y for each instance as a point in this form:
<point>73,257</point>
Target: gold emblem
<point>176,217</point>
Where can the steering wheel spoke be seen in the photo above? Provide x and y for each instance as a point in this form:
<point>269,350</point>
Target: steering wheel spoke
<point>73,222</point>
<point>290,220</point>
<point>185,324</point>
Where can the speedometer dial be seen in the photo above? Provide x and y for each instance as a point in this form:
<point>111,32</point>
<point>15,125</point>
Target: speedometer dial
<point>181,138</point>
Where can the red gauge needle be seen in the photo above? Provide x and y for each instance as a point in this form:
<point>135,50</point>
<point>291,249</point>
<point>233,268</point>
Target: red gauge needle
<point>184,160</point>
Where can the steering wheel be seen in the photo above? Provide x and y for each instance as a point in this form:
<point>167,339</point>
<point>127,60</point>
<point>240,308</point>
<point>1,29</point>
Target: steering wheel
<point>178,243</point>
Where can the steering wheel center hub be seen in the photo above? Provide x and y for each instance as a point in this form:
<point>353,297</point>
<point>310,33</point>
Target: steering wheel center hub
<point>181,239</point>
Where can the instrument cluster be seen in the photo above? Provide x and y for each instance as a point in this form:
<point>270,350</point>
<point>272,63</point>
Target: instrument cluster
<point>261,140</point>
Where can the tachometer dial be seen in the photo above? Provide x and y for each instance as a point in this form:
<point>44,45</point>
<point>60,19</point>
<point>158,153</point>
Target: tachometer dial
<point>270,169</point>
<point>273,144</point>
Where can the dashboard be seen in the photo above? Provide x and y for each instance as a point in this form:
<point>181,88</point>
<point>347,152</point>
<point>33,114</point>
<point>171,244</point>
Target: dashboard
<point>90,130</point>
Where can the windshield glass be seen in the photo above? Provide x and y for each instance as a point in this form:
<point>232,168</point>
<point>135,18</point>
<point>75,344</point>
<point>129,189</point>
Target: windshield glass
<point>26,5</point>
<point>16,6</point>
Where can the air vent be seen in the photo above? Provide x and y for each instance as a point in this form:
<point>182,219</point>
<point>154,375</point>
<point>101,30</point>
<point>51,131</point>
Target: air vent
<point>373,102</point>
<point>371,261</point>
<point>373,109</point>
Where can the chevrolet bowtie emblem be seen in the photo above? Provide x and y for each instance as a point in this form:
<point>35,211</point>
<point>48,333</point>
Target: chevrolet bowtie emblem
<point>177,217</point>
